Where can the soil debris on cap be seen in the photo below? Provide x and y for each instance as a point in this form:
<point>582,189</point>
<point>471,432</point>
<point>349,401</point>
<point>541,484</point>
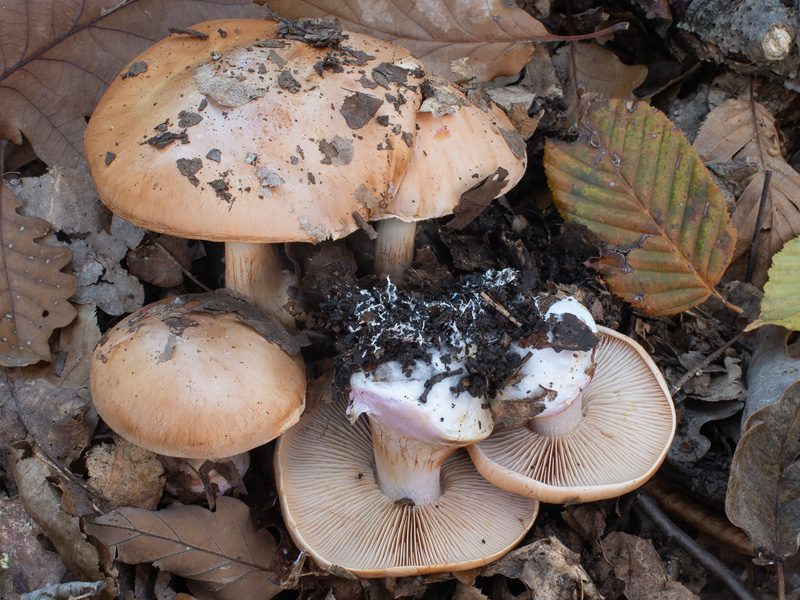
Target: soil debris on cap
<point>214,154</point>
<point>223,89</point>
<point>357,109</point>
<point>221,187</point>
<point>269,179</point>
<point>162,140</point>
<point>315,32</point>
<point>474,201</point>
<point>135,69</point>
<point>110,156</point>
<point>193,33</point>
<point>188,167</point>
<point>276,58</point>
<point>386,73</point>
<point>514,141</point>
<point>188,119</point>
<point>337,152</point>
<point>288,82</point>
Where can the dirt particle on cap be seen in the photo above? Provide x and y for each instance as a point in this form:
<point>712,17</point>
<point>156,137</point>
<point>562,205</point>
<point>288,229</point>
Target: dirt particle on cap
<point>357,109</point>
<point>110,156</point>
<point>135,69</point>
<point>221,187</point>
<point>288,82</point>
<point>514,141</point>
<point>188,119</point>
<point>408,138</point>
<point>223,89</point>
<point>162,140</point>
<point>214,154</point>
<point>337,152</point>
<point>222,33</point>
<point>311,179</point>
<point>203,104</point>
<point>276,58</point>
<point>269,179</point>
<point>188,167</point>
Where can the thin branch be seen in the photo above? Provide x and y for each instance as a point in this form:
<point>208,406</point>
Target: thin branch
<point>708,360</point>
<point>185,272</point>
<point>649,507</point>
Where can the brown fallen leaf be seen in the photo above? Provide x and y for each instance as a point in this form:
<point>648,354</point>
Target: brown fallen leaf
<point>32,566</point>
<point>498,40</point>
<point>220,553</point>
<point>596,72</point>
<point>764,487</point>
<point>58,58</point>
<point>151,263</point>
<point>548,567</point>
<point>126,474</point>
<point>34,293</point>
<point>43,503</point>
<point>727,134</point>
<point>637,564</point>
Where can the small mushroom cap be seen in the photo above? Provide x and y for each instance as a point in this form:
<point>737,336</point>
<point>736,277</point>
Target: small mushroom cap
<point>194,384</point>
<point>626,428</point>
<point>335,511</point>
<point>453,153</point>
<point>285,141</point>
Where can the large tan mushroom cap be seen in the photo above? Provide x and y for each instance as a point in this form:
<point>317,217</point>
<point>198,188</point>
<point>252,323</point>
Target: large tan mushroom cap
<point>285,150</point>
<point>453,153</point>
<point>335,511</point>
<point>190,382</point>
<point>626,428</point>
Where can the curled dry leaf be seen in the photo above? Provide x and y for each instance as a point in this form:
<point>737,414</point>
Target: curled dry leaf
<point>728,133</point>
<point>781,302</point>
<point>126,474</point>
<point>43,503</point>
<point>220,553</point>
<point>34,292</point>
<point>591,71</point>
<point>59,57</point>
<point>498,40</point>
<point>634,179</point>
<point>764,487</point>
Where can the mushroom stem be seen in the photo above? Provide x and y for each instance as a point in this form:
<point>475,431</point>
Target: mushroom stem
<point>561,423</point>
<point>255,271</point>
<point>407,468</point>
<point>394,248</point>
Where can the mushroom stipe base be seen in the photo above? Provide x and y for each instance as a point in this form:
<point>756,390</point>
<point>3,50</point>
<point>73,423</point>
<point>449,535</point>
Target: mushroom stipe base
<point>325,472</point>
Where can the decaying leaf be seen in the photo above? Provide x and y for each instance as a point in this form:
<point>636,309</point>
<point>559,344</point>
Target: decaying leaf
<point>690,445</point>
<point>596,71</point>
<point>728,134</point>
<point>61,420</point>
<point>32,566</point>
<point>34,292</point>
<point>43,503</point>
<point>764,487</point>
<point>781,302</point>
<point>220,553</point>
<point>59,57</point>
<point>548,567</point>
<point>637,564</point>
<point>126,474</point>
<point>497,39</point>
<point>634,179</point>
<point>98,239</point>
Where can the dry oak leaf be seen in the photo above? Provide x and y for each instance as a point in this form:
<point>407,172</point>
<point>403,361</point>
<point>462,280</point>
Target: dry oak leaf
<point>764,488</point>
<point>33,290</point>
<point>634,180</point>
<point>596,71</point>
<point>728,133</point>
<point>497,39</point>
<point>58,57</point>
<point>220,553</point>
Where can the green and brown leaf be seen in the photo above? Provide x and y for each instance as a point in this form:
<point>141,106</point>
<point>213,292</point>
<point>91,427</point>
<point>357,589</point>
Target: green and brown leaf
<point>634,179</point>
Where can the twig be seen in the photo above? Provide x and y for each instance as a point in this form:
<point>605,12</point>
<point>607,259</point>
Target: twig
<point>707,361</point>
<point>500,308</point>
<point>762,205</point>
<point>649,507</point>
<point>186,273</point>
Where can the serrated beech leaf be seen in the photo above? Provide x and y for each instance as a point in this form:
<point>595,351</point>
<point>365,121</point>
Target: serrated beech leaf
<point>33,291</point>
<point>497,38</point>
<point>220,553</point>
<point>634,180</point>
<point>781,302</point>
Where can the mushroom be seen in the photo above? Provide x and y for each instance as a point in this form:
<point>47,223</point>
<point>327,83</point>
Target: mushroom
<point>202,376</point>
<point>608,441</point>
<point>458,146</point>
<point>235,134</point>
<point>389,494</point>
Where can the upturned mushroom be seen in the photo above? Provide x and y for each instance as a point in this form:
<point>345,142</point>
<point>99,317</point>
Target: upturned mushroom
<point>388,495</point>
<point>459,145</point>
<point>604,434</point>
<point>253,133</point>
<point>203,376</point>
